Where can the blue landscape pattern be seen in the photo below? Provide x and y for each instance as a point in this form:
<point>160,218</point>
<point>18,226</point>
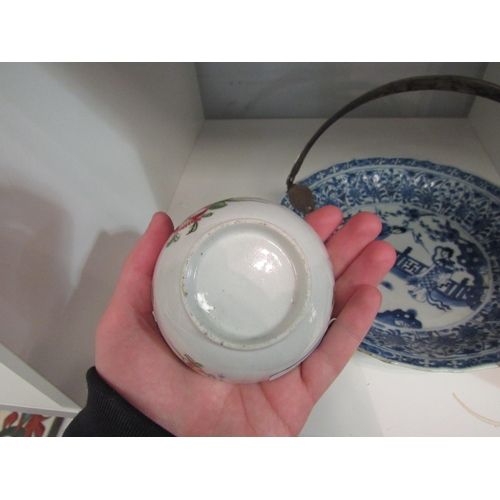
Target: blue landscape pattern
<point>458,211</point>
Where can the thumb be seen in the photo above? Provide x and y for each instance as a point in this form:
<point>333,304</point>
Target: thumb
<point>133,291</point>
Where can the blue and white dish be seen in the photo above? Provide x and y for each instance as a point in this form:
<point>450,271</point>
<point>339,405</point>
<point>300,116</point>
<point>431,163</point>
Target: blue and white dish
<point>441,300</point>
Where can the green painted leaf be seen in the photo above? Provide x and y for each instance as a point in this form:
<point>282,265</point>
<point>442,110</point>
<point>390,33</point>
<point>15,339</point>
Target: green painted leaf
<point>194,227</point>
<point>219,204</point>
<point>174,238</point>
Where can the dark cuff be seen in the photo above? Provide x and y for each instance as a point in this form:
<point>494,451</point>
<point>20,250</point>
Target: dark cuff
<point>108,414</point>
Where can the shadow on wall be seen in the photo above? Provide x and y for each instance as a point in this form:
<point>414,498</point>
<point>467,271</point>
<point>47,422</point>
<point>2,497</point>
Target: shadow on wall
<point>156,107</point>
<point>47,321</point>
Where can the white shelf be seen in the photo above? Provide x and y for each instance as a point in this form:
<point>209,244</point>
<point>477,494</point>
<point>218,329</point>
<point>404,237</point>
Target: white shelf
<point>23,389</point>
<point>89,152</point>
<point>370,398</point>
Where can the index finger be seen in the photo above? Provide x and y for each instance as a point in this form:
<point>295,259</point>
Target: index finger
<point>325,221</point>
<point>351,239</point>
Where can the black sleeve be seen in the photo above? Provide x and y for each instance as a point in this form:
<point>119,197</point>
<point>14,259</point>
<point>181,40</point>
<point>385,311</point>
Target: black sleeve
<point>108,414</point>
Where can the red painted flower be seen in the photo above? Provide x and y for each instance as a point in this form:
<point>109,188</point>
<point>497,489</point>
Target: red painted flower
<point>195,218</point>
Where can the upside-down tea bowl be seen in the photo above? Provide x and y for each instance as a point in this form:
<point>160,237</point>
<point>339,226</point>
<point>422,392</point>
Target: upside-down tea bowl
<point>243,290</point>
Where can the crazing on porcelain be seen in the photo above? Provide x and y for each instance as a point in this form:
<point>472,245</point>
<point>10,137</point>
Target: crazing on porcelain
<point>254,290</point>
<point>440,306</point>
<point>267,260</point>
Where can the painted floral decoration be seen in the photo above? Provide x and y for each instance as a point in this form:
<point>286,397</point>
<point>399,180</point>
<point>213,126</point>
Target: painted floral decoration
<point>193,220</point>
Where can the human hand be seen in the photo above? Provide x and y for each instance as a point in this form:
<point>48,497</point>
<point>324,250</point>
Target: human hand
<point>133,358</point>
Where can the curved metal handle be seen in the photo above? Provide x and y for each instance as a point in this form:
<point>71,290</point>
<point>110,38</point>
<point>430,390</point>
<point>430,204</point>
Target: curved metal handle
<point>303,201</point>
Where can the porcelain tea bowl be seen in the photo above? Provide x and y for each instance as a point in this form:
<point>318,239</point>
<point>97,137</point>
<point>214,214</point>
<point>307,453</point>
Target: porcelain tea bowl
<point>243,290</point>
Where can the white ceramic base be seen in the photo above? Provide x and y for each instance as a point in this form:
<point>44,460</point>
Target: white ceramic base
<point>243,290</point>
<point>246,284</point>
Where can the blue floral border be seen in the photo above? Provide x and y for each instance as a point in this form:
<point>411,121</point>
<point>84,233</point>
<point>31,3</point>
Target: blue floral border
<point>473,344</point>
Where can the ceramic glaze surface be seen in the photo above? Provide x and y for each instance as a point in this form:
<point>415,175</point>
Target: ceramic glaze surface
<point>243,290</point>
<point>440,306</point>
<point>238,260</point>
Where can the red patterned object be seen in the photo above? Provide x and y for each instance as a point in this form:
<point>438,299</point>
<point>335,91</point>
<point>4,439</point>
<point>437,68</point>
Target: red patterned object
<point>14,424</point>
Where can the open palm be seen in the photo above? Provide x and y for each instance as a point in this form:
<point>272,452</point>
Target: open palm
<point>132,357</point>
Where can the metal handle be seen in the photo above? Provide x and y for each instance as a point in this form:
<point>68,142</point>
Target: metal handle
<point>302,198</point>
